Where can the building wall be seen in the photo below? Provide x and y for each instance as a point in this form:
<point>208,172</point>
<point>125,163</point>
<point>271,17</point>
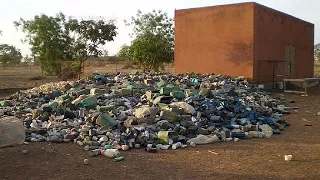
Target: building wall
<point>273,31</point>
<point>215,39</point>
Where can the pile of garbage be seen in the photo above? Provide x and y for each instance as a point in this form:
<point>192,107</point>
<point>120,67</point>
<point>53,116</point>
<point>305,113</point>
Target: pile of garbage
<point>112,112</point>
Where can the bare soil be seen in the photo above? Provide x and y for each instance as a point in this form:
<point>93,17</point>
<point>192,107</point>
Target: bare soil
<point>245,159</point>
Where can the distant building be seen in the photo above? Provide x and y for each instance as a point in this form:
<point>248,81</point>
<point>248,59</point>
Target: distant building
<point>245,39</point>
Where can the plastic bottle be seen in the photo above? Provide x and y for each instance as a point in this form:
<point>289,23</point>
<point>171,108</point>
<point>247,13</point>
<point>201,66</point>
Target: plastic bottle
<point>159,146</point>
<point>117,159</point>
<point>176,145</point>
<point>192,144</point>
<point>215,118</point>
<point>238,134</point>
<point>107,146</point>
<point>165,147</point>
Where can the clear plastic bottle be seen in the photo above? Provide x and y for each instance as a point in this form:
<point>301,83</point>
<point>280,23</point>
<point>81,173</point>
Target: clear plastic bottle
<point>176,145</point>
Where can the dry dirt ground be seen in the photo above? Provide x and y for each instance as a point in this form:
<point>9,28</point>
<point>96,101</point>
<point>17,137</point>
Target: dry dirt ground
<point>246,159</point>
<point>23,77</point>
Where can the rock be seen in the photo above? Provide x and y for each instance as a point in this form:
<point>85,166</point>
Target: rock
<point>12,132</point>
<point>86,161</point>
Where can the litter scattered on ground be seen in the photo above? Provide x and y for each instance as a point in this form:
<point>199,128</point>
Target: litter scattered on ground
<point>305,120</point>
<point>287,157</point>
<point>109,113</point>
<point>86,161</point>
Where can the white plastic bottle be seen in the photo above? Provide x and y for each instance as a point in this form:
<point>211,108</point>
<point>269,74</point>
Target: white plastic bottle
<point>176,145</point>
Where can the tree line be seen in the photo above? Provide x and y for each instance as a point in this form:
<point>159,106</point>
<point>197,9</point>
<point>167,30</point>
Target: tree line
<point>54,39</point>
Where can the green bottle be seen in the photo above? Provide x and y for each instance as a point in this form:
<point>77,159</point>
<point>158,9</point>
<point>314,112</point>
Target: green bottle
<point>120,158</point>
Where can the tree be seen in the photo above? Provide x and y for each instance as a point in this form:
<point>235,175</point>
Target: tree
<point>317,52</point>
<point>27,59</point>
<point>88,35</point>
<point>153,45</point>
<point>151,52</point>
<point>9,55</point>
<point>124,53</point>
<point>49,39</point>
<point>55,39</point>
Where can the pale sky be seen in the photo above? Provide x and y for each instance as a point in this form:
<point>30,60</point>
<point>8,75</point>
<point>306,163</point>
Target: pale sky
<point>11,10</point>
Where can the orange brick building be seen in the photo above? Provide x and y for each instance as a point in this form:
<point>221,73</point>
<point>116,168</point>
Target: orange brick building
<point>245,39</point>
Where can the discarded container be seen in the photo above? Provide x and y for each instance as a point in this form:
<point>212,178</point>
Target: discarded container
<point>267,130</point>
<point>105,108</point>
<point>287,157</point>
<point>178,95</point>
<point>111,153</point>
<point>204,139</point>
<point>165,91</point>
<point>163,136</point>
<point>159,146</point>
<point>117,159</point>
<point>125,147</point>
<point>165,147</point>
<point>5,103</point>
<point>89,102</point>
<point>53,104</point>
<point>192,144</point>
<point>95,91</point>
<point>107,146</point>
<point>105,120</point>
<point>176,145</point>
<point>124,92</point>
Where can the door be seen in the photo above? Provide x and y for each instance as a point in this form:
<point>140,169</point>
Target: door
<point>290,57</point>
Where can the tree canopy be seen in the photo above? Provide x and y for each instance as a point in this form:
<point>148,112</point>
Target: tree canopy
<point>124,53</point>
<point>58,38</point>
<point>153,45</point>
<point>9,55</point>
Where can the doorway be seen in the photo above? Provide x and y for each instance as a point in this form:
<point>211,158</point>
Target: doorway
<point>290,53</point>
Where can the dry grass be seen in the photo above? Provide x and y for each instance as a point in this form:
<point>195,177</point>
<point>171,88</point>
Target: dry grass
<point>22,77</point>
<point>317,69</point>
<point>30,76</point>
